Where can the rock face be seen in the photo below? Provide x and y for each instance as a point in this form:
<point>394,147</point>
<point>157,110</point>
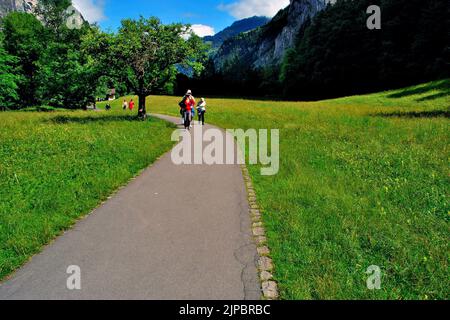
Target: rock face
<point>7,6</point>
<point>267,45</point>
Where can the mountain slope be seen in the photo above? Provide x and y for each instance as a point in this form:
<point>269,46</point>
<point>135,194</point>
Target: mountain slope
<point>236,28</point>
<point>267,45</point>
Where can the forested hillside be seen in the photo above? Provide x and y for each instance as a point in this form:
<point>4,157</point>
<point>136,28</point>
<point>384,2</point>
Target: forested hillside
<point>335,54</point>
<point>236,28</point>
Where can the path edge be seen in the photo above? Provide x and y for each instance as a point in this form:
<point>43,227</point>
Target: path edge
<point>265,263</point>
<point>101,202</point>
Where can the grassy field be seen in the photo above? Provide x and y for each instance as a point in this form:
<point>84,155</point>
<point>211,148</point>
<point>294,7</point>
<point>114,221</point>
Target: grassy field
<point>56,167</point>
<point>363,181</point>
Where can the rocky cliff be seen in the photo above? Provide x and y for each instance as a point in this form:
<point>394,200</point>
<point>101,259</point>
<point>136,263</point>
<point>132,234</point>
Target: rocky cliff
<point>267,45</point>
<point>7,6</point>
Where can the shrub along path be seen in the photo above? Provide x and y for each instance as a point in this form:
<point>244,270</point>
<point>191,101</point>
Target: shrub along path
<point>175,232</point>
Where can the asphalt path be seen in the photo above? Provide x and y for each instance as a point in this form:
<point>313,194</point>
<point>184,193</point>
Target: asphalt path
<point>175,232</point>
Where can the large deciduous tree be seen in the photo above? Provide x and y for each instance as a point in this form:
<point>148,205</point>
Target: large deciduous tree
<point>146,52</point>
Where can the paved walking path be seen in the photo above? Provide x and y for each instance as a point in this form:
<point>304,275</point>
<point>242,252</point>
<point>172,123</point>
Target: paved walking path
<point>175,232</point>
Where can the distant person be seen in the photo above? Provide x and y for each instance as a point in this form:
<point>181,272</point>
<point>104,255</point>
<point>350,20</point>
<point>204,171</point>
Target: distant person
<point>131,105</point>
<point>125,105</point>
<point>141,112</point>
<point>201,110</point>
<point>189,101</point>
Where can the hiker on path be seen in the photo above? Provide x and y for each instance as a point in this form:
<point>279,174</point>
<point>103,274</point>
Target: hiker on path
<point>189,102</point>
<point>201,110</point>
<point>125,105</point>
<point>131,105</point>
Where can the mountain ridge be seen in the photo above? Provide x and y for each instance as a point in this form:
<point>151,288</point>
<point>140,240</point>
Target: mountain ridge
<point>240,26</point>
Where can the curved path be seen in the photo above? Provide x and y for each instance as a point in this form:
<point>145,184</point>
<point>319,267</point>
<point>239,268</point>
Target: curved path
<point>175,232</point>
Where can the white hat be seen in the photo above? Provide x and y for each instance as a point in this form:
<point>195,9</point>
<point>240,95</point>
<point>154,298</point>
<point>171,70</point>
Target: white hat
<point>189,92</point>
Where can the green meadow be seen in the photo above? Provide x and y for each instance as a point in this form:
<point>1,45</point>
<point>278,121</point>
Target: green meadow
<point>363,181</point>
<point>55,167</point>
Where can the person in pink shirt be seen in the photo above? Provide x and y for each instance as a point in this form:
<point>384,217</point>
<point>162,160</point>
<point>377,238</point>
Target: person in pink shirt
<point>189,102</point>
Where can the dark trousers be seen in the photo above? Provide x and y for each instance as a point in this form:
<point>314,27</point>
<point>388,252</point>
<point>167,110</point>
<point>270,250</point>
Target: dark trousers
<point>201,117</point>
<point>187,118</point>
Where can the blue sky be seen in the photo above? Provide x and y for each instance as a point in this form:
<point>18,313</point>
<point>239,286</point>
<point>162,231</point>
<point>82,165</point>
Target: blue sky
<point>206,16</point>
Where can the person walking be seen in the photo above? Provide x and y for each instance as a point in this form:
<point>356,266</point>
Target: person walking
<point>189,102</point>
<point>131,105</point>
<point>201,110</point>
<point>125,105</point>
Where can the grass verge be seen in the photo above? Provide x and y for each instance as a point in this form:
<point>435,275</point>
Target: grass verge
<point>56,167</point>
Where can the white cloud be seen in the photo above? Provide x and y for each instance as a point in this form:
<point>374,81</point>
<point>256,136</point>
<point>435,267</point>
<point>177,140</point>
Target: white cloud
<point>248,8</point>
<point>202,30</point>
<point>92,10</point>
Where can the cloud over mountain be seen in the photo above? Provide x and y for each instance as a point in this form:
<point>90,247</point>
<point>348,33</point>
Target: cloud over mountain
<point>202,30</point>
<point>92,10</point>
<point>249,8</point>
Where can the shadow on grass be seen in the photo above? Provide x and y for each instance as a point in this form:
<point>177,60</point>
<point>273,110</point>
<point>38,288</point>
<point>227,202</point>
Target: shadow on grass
<point>434,96</point>
<point>91,119</point>
<point>415,114</point>
<point>442,85</point>
<point>104,118</point>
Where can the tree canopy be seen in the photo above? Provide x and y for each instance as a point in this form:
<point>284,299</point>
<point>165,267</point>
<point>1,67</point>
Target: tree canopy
<point>46,62</point>
<point>145,54</point>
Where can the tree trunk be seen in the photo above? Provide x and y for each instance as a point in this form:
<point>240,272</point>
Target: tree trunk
<point>142,108</point>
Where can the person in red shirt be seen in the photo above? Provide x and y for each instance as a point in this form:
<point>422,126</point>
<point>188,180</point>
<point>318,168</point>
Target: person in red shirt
<point>131,105</point>
<point>189,102</point>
